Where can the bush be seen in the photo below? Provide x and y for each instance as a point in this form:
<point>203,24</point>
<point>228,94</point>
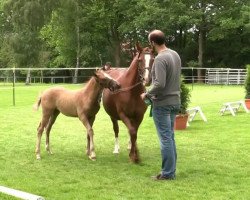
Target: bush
<point>185,97</point>
<point>247,83</point>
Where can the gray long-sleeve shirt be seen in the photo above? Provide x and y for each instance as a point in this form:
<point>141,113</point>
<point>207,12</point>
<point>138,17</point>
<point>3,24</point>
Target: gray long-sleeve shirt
<point>166,72</point>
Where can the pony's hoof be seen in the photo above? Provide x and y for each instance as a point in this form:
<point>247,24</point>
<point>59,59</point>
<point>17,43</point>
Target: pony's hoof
<point>135,160</point>
<point>38,157</point>
<point>116,151</point>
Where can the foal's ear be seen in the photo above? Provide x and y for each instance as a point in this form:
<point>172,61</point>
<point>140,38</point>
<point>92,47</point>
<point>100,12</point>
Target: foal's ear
<point>95,75</point>
<point>138,47</point>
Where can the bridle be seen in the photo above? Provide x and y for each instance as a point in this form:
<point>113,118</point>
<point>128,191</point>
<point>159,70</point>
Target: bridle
<point>141,72</point>
<point>148,64</point>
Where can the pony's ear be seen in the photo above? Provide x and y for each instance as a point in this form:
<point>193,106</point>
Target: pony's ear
<point>138,47</point>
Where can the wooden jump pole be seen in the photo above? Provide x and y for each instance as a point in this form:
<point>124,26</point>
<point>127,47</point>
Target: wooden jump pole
<point>20,194</point>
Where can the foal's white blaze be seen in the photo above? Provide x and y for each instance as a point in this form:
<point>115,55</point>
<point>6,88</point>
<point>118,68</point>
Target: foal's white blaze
<point>117,147</point>
<point>108,76</point>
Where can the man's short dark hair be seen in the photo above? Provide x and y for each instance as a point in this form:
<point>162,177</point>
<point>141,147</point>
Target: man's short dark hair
<point>157,37</point>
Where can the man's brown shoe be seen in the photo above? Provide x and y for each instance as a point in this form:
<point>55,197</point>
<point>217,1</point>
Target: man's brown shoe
<point>159,177</point>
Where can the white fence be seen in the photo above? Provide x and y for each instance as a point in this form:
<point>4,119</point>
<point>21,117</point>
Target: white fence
<point>45,75</point>
<point>225,76</point>
<point>210,76</point>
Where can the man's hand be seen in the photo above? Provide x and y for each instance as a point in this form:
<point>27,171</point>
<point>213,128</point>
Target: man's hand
<point>143,96</point>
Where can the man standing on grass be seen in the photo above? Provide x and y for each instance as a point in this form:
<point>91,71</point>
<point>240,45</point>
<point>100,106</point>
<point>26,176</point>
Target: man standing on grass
<point>165,95</point>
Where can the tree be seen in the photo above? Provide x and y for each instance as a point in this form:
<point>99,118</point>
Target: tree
<point>26,18</point>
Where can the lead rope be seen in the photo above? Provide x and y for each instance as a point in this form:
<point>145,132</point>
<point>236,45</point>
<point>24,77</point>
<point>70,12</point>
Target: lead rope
<point>126,88</point>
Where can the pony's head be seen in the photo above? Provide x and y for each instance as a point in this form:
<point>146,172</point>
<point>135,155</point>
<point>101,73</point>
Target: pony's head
<point>145,59</point>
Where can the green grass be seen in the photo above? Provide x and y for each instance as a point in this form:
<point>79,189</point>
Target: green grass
<point>213,157</point>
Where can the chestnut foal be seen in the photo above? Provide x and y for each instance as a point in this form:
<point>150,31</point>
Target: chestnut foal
<point>83,103</point>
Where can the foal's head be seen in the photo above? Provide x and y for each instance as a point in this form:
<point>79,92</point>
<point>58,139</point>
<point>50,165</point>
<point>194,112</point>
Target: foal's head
<point>145,59</point>
<point>106,81</point>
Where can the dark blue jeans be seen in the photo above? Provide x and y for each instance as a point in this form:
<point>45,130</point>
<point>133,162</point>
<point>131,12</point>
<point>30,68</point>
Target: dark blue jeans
<point>164,117</point>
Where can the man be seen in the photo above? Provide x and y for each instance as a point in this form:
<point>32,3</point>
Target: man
<point>165,96</point>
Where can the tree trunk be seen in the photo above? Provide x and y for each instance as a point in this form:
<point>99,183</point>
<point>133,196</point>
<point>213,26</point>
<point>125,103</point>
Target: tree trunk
<point>27,81</point>
<point>200,57</point>
<point>77,50</point>
<point>117,53</point>
<point>115,45</point>
<point>201,39</point>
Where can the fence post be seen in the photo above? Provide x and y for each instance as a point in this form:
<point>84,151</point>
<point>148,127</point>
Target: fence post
<point>192,78</point>
<point>13,87</point>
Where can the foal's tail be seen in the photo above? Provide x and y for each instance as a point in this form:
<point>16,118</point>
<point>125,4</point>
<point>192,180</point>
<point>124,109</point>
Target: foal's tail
<point>37,104</point>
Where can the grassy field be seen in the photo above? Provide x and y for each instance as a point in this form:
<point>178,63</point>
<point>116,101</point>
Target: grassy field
<point>213,157</point>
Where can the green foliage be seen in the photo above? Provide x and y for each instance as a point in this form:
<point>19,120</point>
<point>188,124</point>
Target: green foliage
<point>185,97</point>
<point>60,33</point>
<point>247,83</point>
<point>192,64</point>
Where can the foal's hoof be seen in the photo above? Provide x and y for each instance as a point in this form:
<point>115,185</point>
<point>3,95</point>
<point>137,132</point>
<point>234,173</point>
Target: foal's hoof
<point>38,157</point>
<point>92,158</point>
<point>49,152</point>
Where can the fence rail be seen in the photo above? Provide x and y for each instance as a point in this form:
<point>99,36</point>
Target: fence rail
<point>226,76</point>
<point>68,75</point>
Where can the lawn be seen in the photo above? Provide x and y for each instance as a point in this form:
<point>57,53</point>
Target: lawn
<point>213,157</point>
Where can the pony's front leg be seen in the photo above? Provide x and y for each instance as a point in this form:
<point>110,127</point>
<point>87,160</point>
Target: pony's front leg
<point>116,130</point>
<point>134,154</point>
<point>132,128</point>
<point>117,146</point>
<point>88,145</point>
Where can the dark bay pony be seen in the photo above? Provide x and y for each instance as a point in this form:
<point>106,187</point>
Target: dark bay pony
<point>83,103</point>
<point>126,103</point>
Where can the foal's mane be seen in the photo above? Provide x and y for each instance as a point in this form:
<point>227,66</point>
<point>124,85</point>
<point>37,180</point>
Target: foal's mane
<point>88,82</point>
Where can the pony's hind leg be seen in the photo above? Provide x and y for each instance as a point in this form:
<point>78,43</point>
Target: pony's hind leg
<point>116,130</point>
<point>40,130</point>
<point>48,129</point>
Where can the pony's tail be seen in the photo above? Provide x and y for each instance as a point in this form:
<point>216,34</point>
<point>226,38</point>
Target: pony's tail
<point>37,104</point>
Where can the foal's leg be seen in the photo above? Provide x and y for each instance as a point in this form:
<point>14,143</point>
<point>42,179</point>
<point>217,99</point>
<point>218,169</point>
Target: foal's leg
<point>42,125</point>
<point>87,123</point>
<point>91,121</point>
<point>48,129</point>
<point>116,130</point>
